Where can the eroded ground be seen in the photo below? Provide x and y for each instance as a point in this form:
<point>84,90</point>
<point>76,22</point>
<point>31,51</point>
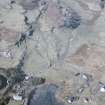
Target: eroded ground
<point>52,52</point>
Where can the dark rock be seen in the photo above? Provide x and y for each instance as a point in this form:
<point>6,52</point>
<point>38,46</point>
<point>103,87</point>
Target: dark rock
<point>31,32</point>
<point>44,95</point>
<point>72,99</point>
<point>4,100</point>
<point>18,77</point>
<point>102,4</point>
<point>21,40</point>
<point>86,99</point>
<point>29,4</point>
<point>38,80</point>
<point>77,74</point>
<point>3,81</point>
<point>26,20</point>
<point>71,19</point>
<point>12,2</point>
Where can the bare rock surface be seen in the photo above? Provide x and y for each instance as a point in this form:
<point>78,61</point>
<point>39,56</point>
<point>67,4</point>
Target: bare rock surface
<point>44,95</point>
